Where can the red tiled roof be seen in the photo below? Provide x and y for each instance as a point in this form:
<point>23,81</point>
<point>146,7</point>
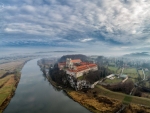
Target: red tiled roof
<point>76,60</point>
<point>62,63</point>
<point>92,65</point>
<point>83,66</point>
<point>84,63</point>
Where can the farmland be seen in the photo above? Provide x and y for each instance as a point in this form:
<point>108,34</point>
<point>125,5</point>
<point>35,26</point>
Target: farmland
<point>112,68</point>
<point>9,82</point>
<point>115,80</point>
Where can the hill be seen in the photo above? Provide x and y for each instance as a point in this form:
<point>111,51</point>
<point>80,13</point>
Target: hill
<point>142,54</point>
<point>76,56</point>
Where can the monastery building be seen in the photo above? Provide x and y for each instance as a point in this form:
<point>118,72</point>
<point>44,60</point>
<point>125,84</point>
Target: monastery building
<point>76,67</point>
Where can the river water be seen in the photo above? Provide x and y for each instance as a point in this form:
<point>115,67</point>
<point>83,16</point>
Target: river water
<point>35,94</point>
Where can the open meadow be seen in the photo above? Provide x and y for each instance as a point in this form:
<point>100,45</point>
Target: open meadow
<point>113,81</point>
<point>113,68</point>
<point>8,83</point>
<point>131,72</point>
<point>126,99</point>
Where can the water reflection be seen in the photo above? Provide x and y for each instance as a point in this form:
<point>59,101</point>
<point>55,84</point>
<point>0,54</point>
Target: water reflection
<point>35,95</point>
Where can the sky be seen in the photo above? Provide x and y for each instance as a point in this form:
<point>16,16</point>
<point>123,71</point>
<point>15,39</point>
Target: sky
<point>99,26</point>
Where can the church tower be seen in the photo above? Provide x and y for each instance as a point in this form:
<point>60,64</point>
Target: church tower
<point>69,64</point>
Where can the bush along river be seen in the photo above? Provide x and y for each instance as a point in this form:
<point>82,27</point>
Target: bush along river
<point>35,94</point>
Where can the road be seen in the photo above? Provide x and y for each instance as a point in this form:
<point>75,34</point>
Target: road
<point>143,74</point>
<point>121,109</point>
<point>122,71</point>
<point>136,84</point>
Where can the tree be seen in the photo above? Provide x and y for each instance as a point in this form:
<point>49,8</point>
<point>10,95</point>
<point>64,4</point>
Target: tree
<point>127,86</point>
<point>138,92</point>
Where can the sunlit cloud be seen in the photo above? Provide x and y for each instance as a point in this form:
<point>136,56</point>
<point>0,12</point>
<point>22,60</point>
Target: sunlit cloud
<point>86,39</point>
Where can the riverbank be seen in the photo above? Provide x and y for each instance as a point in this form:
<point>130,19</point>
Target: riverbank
<point>10,77</point>
<point>94,102</point>
<point>97,100</point>
<point>101,100</point>
<point>90,100</point>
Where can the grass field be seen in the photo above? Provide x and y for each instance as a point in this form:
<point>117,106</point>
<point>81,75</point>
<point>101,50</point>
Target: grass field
<point>11,65</point>
<point>134,76</point>
<point>147,84</point>
<point>97,103</point>
<point>147,73</point>
<point>4,80</point>
<point>119,71</point>
<point>111,64</point>
<point>111,94</point>
<point>112,68</point>
<point>122,97</point>
<point>115,80</point>
<point>7,84</point>
<point>130,71</point>
<point>127,99</point>
<point>2,72</point>
<point>141,74</point>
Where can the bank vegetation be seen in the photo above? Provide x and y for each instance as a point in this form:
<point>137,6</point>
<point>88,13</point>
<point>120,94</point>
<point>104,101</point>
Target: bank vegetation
<point>9,78</point>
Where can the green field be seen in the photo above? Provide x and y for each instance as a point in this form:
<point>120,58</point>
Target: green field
<point>119,71</point>
<point>2,72</point>
<point>122,97</point>
<point>147,73</point>
<point>115,80</point>
<point>116,70</point>
<point>111,64</point>
<point>4,80</point>
<point>130,71</point>
<point>134,76</point>
<point>105,92</point>
<point>7,88</point>
<point>127,99</point>
<point>147,84</point>
<point>7,84</point>
<point>112,68</point>
<point>141,74</point>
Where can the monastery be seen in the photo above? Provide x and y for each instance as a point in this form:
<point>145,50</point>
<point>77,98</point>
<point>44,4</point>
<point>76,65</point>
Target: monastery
<point>76,67</point>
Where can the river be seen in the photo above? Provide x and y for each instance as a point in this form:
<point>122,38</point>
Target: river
<point>35,94</point>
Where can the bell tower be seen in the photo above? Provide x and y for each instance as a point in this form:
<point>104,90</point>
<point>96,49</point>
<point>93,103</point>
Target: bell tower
<point>68,63</point>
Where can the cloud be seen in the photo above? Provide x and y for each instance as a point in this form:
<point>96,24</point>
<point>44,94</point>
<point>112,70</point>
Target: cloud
<point>1,5</point>
<point>113,22</point>
<point>86,39</point>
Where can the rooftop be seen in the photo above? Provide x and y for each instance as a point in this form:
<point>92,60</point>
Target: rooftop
<point>76,60</point>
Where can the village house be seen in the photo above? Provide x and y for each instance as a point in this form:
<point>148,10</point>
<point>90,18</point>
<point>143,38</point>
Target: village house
<point>76,67</point>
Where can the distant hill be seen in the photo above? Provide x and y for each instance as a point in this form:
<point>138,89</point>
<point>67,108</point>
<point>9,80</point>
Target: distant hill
<point>64,51</point>
<point>76,56</point>
<point>142,54</point>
